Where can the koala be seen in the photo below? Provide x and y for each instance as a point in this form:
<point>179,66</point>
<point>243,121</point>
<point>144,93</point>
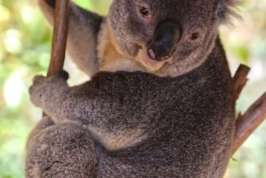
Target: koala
<point>160,102</point>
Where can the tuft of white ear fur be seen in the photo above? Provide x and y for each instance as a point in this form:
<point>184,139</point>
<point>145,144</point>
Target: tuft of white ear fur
<point>227,9</point>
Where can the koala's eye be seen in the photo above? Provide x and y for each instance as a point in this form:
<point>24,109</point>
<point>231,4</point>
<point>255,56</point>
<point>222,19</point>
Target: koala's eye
<point>193,36</point>
<point>144,11</point>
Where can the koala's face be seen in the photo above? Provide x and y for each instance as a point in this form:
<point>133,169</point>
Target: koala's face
<point>168,37</point>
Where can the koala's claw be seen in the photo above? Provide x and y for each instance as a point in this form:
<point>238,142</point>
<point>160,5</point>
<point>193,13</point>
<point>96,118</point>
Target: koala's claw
<point>51,3</point>
<point>62,74</point>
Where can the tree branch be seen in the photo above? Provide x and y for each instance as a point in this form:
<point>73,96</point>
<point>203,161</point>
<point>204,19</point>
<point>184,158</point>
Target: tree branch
<point>253,117</point>
<point>59,37</point>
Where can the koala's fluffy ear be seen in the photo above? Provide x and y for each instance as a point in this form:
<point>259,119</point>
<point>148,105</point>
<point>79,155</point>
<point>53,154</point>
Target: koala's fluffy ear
<point>226,9</point>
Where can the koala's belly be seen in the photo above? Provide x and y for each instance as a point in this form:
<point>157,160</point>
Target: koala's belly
<point>181,153</point>
<point>118,140</point>
<point>114,164</point>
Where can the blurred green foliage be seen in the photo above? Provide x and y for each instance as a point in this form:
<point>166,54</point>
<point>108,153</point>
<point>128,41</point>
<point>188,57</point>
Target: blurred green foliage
<point>25,40</point>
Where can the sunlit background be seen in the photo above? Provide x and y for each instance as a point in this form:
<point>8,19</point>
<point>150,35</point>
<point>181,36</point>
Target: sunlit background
<point>25,40</point>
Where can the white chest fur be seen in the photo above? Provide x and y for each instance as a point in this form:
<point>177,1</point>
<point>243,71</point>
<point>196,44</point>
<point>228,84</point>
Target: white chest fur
<point>109,57</point>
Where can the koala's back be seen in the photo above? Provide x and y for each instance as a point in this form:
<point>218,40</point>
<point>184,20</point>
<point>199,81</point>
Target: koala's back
<point>192,125</point>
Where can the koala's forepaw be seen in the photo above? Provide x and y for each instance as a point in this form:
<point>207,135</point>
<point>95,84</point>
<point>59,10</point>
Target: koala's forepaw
<point>47,87</point>
<point>37,89</point>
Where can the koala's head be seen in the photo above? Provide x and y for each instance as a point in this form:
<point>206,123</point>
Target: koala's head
<point>168,37</point>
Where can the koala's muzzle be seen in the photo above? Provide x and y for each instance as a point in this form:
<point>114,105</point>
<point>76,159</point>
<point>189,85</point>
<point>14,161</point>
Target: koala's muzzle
<point>166,36</point>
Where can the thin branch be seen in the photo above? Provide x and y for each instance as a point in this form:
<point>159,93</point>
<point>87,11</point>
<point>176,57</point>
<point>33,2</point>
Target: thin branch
<point>247,123</point>
<point>253,117</point>
<point>59,36</point>
<point>240,79</point>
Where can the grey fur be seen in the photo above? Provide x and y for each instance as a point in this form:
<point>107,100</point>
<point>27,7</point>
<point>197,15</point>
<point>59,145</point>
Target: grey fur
<point>177,123</point>
<point>143,125</point>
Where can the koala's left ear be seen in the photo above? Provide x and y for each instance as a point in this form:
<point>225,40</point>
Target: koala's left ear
<point>226,9</point>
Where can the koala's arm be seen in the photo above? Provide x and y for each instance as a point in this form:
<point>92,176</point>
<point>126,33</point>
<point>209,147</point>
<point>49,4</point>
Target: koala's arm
<point>82,34</point>
<point>106,105</point>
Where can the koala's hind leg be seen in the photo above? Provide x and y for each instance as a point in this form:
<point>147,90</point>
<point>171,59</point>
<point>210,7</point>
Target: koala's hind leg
<point>61,150</point>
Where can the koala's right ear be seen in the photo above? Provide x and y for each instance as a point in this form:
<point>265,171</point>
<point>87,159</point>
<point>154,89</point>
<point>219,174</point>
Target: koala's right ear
<point>226,9</point>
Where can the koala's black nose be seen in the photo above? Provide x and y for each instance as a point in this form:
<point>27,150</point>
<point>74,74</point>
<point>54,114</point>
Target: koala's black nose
<point>166,36</point>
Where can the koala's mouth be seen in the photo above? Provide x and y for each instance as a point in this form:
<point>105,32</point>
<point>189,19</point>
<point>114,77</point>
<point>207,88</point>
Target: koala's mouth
<point>151,54</point>
<point>146,59</point>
